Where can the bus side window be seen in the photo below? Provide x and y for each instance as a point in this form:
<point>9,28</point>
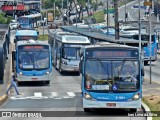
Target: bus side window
<point>80,65</point>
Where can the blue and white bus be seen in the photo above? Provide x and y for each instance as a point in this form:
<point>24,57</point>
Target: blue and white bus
<point>30,21</point>
<point>111,77</point>
<point>146,48</point>
<point>32,61</point>
<point>25,34</point>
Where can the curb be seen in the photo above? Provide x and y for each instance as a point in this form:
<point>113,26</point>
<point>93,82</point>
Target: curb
<point>146,109</point>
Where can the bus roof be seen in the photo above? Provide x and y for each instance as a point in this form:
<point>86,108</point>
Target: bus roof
<point>30,42</point>
<point>108,45</point>
<point>26,33</point>
<point>32,15</point>
<point>75,39</point>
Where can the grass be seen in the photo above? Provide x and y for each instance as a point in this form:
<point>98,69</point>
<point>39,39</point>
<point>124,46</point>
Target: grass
<point>43,37</point>
<point>99,16</point>
<point>153,102</point>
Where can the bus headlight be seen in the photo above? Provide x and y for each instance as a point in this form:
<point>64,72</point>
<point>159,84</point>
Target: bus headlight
<point>20,73</point>
<point>136,96</point>
<point>88,96</point>
<point>47,73</point>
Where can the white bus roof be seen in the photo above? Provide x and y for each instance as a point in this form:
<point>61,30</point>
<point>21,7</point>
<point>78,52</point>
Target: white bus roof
<point>26,33</point>
<point>32,15</point>
<point>75,39</point>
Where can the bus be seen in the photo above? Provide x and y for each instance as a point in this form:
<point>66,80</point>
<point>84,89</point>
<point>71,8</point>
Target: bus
<point>65,50</point>
<point>146,48</point>
<point>32,61</point>
<point>30,21</point>
<point>111,77</point>
<point>25,34</point>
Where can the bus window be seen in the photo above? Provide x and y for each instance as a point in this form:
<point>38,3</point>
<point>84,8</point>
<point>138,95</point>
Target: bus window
<point>34,60</point>
<point>71,53</point>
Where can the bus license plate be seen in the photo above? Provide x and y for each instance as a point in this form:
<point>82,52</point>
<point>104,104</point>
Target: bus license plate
<point>111,104</point>
<point>34,78</point>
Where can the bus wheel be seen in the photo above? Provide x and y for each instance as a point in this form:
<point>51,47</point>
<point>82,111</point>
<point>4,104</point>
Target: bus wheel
<point>19,83</point>
<point>145,62</point>
<point>133,110</point>
<point>47,82</point>
<point>87,110</point>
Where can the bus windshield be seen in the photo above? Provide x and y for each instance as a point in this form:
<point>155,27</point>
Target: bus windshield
<point>103,75</point>
<point>71,53</point>
<point>33,60</point>
<point>23,20</point>
<point>20,38</point>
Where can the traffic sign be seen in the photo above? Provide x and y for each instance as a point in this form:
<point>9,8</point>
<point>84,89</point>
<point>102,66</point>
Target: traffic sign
<point>111,10</point>
<point>147,3</point>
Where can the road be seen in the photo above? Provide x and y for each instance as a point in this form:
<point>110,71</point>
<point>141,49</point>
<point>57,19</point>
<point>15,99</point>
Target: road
<point>63,95</point>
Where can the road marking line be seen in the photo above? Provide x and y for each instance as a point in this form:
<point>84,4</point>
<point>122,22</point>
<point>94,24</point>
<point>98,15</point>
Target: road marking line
<point>38,94</point>
<point>72,94</point>
<point>54,94</point>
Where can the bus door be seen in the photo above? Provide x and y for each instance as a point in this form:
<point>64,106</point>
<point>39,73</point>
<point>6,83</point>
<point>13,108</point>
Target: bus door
<point>58,55</point>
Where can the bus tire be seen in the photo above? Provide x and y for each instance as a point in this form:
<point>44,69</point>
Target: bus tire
<point>18,83</point>
<point>145,62</point>
<point>87,110</point>
<point>47,82</point>
<point>133,110</point>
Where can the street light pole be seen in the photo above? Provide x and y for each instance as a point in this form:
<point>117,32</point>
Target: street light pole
<point>107,19</point>
<point>140,49</point>
<point>62,15</point>
<point>150,37</point>
<point>125,11</point>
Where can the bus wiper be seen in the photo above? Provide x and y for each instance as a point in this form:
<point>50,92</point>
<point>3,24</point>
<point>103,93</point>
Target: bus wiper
<point>122,65</point>
<point>103,69</point>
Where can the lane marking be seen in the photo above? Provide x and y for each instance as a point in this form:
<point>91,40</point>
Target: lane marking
<point>72,94</point>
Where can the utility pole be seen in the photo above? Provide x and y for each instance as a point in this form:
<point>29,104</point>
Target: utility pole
<point>140,49</point>
<point>116,19</point>
<point>107,19</point>
<point>150,37</point>
<point>62,15</point>
<point>125,11</point>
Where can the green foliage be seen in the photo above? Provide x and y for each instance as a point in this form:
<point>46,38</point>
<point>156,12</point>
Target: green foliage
<point>5,20</point>
<point>99,16</point>
<point>43,37</point>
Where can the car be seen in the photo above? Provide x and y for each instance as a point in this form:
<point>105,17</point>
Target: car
<point>13,24</point>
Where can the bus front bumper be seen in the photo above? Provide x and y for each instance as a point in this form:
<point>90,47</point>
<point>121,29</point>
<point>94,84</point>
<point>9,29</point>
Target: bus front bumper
<point>111,104</point>
<point>153,58</point>
<point>69,68</point>
<point>23,78</point>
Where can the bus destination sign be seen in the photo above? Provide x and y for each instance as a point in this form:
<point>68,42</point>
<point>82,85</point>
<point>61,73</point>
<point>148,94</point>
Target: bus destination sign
<point>112,53</point>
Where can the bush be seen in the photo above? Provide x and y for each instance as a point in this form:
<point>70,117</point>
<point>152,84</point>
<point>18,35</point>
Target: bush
<point>5,20</point>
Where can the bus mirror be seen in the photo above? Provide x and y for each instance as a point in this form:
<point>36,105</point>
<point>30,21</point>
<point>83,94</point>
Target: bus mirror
<point>13,55</point>
<point>14,40</point>
<point>81,53</point>
<point>80,67</point>
<point>142,72</point>
<point>37,32</point>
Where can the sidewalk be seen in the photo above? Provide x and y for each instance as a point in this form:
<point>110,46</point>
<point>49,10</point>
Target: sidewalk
<point>6,80</point>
